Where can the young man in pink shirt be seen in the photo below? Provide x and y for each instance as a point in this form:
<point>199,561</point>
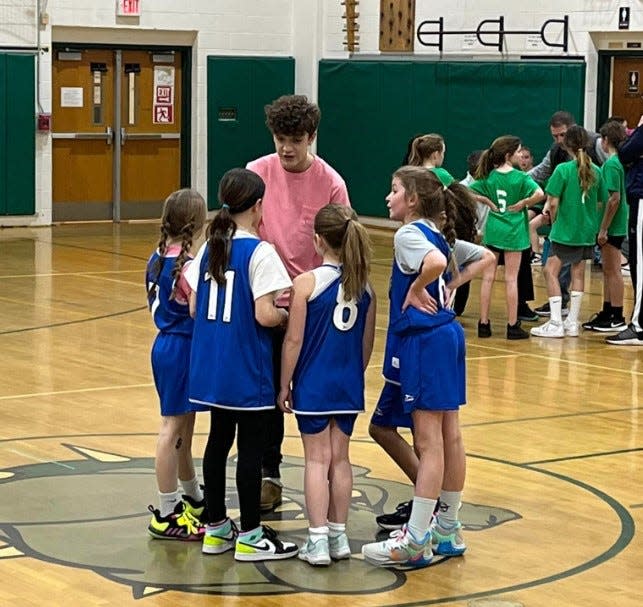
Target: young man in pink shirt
<point>298,184</point>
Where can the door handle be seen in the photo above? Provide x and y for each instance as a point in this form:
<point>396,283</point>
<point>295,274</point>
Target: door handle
<point>148,136</point>
<point>108,135</point>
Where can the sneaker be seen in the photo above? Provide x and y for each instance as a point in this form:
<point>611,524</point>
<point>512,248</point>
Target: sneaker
<point>271,495</point>
<point>598,317</point>
<point>397,519</point>
<point>545,311</point>
<point>536,258</point>
<point>484,329</point>
<point>516,331</point>
<point>221,538</point>
<point>607,325</point>
<point>549,329</point>
<point>627,337</point>
<point>196,509</point>
<point>526,313</point>
<point>175,526</point>
<point>400,549</point>
<point>315,552</point>
<point>447,540</point>
<point>264,546</point>
<point>339,547</point>
<point>572,329</point>
<point>625,269</point>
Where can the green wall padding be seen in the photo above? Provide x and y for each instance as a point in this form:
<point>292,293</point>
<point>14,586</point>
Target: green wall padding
<point>371,108</point>
<point>238,89</point>
<point>17,134</point>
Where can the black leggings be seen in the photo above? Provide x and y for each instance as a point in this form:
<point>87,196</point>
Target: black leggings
<point>275,423</point>
<point>251,427</point>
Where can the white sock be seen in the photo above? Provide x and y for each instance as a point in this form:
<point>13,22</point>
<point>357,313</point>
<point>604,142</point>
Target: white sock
<point>449,506</point>
<point>336,529</point>
<point>317,532</point>
<point>167,502</point>
<point>421,514</point>
<point>556,309</point>
<point>192,489</point>
<point>576,297</point>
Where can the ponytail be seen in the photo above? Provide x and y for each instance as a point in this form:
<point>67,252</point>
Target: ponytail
<point>355,257</point>
<point>586,175</point>
<point>220,234</point>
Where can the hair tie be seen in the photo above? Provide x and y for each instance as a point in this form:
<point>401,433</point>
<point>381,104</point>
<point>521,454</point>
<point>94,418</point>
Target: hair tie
<point>225,206</point>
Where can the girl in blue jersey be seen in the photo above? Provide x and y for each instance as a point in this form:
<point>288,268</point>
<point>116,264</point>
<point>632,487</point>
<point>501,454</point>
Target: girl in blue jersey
<point>235,279</point>
<point>430,359</point>
<point>327,347</point>
<point>167,293</point>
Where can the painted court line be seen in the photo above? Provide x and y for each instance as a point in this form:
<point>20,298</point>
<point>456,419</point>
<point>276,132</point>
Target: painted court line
<point>78,391</point>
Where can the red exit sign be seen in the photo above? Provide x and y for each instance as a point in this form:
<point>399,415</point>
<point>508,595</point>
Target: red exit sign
<point>128,8</point>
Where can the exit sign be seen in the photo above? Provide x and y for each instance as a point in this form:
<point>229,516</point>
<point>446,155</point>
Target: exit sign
<point>128,8</point>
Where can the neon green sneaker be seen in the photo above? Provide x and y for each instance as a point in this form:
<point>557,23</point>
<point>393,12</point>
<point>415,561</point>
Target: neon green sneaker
<point>175,526</point>
<point>221,538</point>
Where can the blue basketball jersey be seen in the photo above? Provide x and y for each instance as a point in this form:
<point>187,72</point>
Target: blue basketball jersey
<point>169,315</point>
<point>231,360</point>
<point>329,376</point>
<point>412,320</point>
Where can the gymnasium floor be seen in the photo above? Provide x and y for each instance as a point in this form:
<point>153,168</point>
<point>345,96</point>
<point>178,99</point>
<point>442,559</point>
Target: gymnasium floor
<point>552,431</point>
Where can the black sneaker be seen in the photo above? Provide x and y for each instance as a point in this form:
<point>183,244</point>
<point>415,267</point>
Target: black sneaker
<point>609,325</point>
<point>516,331</point>
<point>526,313</point>
<point>546,312</point>
<point>599,317</point>
<point>395,520</point>
<point>628,337</point>
<point>484,329</point>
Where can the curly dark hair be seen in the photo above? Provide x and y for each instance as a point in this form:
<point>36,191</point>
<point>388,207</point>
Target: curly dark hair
<point>292,115</point>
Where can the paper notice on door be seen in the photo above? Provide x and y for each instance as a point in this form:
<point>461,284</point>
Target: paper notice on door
<point>163,107</point>
<point>71,96</point>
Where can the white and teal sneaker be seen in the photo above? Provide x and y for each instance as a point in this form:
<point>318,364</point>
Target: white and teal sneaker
<point>315,550</point>
<point>339,547</point>
<point>221,538</point>
<point>401,549</point>
<point>262,544</point>
<point>447,541</point>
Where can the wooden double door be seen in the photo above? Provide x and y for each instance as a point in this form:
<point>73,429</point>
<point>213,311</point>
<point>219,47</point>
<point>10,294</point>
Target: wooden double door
<point>117,132</point>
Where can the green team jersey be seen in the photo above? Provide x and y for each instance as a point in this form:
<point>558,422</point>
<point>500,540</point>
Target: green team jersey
<point>443,175</point>
<point>614,177</point>
<point>577,219</point>
<point>506,230</point>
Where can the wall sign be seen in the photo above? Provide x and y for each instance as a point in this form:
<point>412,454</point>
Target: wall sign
<point>163,107</point>
<point>624,18</point>
<point>632,82</point>
<point>128,8</point>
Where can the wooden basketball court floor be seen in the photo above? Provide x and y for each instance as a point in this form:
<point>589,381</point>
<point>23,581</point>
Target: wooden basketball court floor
<point>552,431</point>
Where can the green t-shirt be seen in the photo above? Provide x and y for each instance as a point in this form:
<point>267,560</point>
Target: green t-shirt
<point>614,177</point>
<point>577,219</point>
<point>443,175</point>
<point>505,230</point>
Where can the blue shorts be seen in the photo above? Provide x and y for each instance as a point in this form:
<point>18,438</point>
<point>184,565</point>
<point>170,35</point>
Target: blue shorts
<point>171,370</point>
<point>432,369</point>
<point>314,424</point>
<point>389,411</point>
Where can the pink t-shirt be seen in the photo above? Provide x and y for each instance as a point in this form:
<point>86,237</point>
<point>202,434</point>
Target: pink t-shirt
<point>290,204</point>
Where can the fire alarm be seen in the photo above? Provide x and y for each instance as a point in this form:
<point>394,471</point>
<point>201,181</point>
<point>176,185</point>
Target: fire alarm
<point>44,122</point>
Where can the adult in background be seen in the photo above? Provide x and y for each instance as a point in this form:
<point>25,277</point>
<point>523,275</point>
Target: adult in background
<point>631,155</point>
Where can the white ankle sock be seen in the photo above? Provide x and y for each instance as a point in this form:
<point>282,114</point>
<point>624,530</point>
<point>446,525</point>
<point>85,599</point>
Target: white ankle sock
<point>192,489</point>
<point>421,514</point>
<point>336,529</point>
<point>556,309</point>
<point>167,502</point>
<point>576,297</point>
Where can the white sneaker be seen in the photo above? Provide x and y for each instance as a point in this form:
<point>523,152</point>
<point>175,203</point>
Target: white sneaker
<point>339,547</point>
<point>549,329</point>
<point>315,551</point>
<point>400,549</point>
<point>572,329</point>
